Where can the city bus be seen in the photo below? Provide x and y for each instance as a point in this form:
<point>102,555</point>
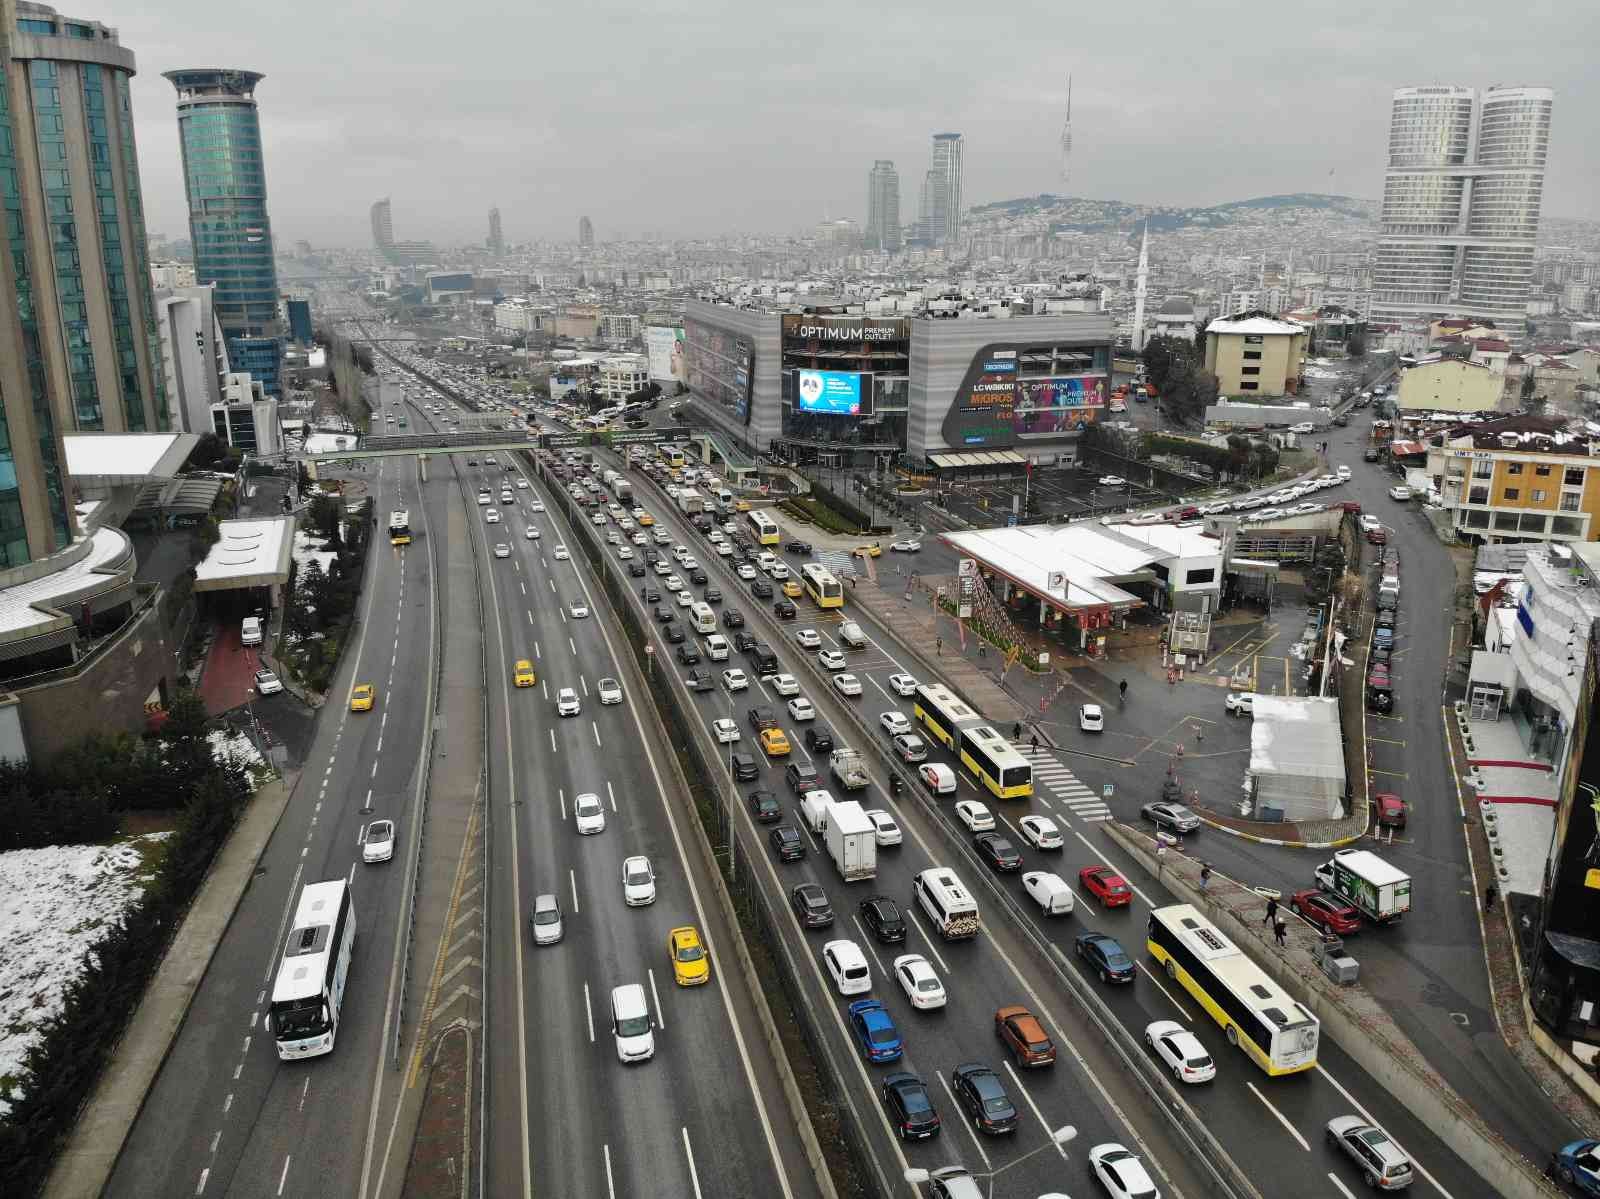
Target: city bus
<point>998,765</point>
<point>673,456</point>
<point>400,527</point>
<point>309,989</point>
<point>1256,1014</point>
<point>822,586</point>
<point>764,528</point>
<point>942,714</point>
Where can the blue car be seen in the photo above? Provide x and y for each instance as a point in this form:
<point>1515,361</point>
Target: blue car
<point>875,1031</point>
<point>1105,957</point>
<point>1578,1165</point>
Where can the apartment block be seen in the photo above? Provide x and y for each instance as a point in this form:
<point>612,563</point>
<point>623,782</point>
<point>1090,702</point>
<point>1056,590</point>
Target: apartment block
<point>1522,478</point>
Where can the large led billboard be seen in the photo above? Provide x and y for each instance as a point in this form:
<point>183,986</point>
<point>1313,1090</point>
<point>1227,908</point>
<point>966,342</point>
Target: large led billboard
<point>1058,405</point>
<point>719,367</point>
<point>664,345</point>
<point>835,393</point>
<point>1011,393</point>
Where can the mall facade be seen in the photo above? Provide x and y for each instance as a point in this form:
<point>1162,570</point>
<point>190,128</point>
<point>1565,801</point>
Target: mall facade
<point>944,389</point>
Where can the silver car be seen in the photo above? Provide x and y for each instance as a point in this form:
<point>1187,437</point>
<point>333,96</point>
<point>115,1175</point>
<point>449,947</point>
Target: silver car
<point>1385,1165</point>
<point>545,920</point>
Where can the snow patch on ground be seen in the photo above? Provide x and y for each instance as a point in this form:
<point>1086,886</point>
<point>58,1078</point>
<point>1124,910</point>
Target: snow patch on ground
<point>55,903</point>
<point>308,548</point>
<point>230,743</point>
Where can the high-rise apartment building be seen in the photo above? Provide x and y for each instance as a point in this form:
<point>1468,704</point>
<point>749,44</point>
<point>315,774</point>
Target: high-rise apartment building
<point>497,238</point>
<point>945,190</point>
<point>1461,201</point>
<point>79,346</point>
<point>585,231</point>
<point>382,226</point>
<point>225,179</point>
<point>883,207</point>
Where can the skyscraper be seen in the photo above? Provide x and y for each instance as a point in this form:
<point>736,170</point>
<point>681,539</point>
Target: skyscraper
<point>944,222</point>
<point>1461,200</point>
<point>79,344</point>
<point>1066,136</point>
<point>382,227</point>
<point>883,207</point>
<point>497,239</point>
<point>585,231</point>
<point>226,183</point>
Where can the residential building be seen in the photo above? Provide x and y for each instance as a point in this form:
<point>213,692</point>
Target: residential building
<point>585,232</point>
<point>1461,202</point>
<point>225,180</point>
<point>497,237</point>
<point>883,207</point>
<point>623,374</point>
<point>580,322</point>
<point>82,333</point>
<point>194,355</point>
<point>246,417</point>
<point>1254,354</point>
<point>520,315</point>
<point>621,328</point>
<point>1441,384</point>
<point>1519,478</point>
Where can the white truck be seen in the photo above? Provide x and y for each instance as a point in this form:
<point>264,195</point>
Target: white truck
<point>852,841</point>
<point>1381,891</point>
<point>848,768</point>
<point>814,807</point>
<point>690,502</point>
<point>851,636</point>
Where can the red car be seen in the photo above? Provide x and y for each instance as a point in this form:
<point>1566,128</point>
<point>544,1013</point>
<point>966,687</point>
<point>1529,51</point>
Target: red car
<point>1351,506</point>
<point>1326,912</point>
<point>1391,810</point>
<point>1377,537</point>
<point>1188,513</point>
<point>1106,885</point>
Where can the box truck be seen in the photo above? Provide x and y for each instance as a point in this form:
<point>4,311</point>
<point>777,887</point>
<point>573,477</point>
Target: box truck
<point>852,842</point>
<point>1381,891</point>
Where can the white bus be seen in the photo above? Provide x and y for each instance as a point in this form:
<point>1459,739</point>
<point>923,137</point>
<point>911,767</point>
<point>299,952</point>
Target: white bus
<point>764,528</point>
<point>822,585</point>
<point>309,989</point>
<point>1255,1014</point>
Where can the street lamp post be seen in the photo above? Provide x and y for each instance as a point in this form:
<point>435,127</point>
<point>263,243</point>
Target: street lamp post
<point>1059,1138</point>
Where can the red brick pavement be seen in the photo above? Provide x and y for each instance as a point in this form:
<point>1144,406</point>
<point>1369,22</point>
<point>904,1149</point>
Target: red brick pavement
<point>229,673</point>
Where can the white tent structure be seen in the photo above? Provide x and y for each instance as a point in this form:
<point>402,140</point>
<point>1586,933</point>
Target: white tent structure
<point>1296,759</point>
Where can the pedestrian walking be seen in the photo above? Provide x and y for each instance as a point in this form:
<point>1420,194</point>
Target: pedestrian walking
<point>1205,875</point>
<point>938,646</point>
<point>1199,735</point>
<point>1279,930</point>
<point>1016,731</point>
<point>1488,899</point>
<point>1272,910</point>
<point>1033,742</point>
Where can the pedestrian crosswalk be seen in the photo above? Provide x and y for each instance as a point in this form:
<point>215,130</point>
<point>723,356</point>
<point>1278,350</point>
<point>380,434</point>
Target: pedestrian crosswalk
<point>1052,779</point>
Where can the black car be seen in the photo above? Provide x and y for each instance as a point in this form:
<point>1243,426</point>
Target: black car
<point>1105,956</point>
<point>764,806</point>
<point>744,766</point>
<point>652,555</point>
<point>787,843</point>
<point>979,1090</point>
<point>910,1108</point>
<point>797,547</point>
<point>998,852</point>
<point>1385,619</point>
<point>664,612</point>
<point>882,915</point>
<point>674,632</point>
<point>713,595</point>
<point>733,619</point>
<point>762,717</point>
<point>697,576</point>
<point>761,589</point>
<point>636,570</point>
<point>744,642</point>
<point>700,680</point>
<point>801,777</point>
<point>819,738</point>
<point>688,654</point>
<point>810,903</point>
<point>1371,454</point>
<point>1382,653</point>
<point>784,609</point>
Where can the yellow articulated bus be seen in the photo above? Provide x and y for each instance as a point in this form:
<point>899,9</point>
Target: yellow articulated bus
<point>1255,1014</point>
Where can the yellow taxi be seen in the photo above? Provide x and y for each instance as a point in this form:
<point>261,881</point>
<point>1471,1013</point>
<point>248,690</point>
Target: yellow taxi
<point>741,505</point>
<point>867,551</point>
<point>774,742</point>
<point>792,589</point>
<point>363,697</point>
<point>691,965</point>
<point>646,520</point>
<point>522,674</point>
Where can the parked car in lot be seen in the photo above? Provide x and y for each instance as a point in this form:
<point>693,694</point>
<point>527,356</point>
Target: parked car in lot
<point>1239,703</point>
<point>1173,817</point>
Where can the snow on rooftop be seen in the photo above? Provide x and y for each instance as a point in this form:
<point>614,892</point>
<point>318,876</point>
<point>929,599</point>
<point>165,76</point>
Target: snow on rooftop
<point>1084,553</point>
<point>30,603</point>
<point>1255,325</point>
<point>246,549</point>
<point>125,455</point>
<point>328,443</point>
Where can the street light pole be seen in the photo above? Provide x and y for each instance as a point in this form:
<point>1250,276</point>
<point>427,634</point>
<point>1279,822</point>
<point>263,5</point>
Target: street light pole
<point>1059,1138</point>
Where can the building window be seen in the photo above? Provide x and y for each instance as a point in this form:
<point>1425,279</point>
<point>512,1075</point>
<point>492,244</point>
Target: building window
<point>1478,495</point>
<point>1252,339</point>
<point>1249,370</point>
<point>1514,468</point>
<point>1249,385</point>
<point>1194,578</point>
<point>1252,355</point>
<point>1512,493</point>
<point>1538,496</point>
<point>1483,469</point>
<point>1573,477</point>
<point>1570,501</point>
<point>1542,471</point>
<point>1566,526</point>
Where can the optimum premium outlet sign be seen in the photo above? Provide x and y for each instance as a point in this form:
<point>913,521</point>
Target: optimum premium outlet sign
<point>843,331</point>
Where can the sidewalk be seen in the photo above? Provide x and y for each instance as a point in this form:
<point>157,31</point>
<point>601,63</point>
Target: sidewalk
<point>85,1164</point>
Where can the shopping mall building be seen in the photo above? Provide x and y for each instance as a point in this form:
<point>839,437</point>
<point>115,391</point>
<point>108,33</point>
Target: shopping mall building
<point>948,388</point>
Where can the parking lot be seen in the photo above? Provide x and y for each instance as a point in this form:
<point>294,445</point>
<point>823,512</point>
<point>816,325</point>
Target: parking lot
<point>1061,494</point>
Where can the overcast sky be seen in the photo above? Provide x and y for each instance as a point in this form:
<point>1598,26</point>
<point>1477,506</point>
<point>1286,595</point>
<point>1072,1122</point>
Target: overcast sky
<point>698,117</point>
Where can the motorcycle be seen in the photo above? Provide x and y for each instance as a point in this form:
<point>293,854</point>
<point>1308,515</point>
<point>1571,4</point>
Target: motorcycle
<point>895,785</point>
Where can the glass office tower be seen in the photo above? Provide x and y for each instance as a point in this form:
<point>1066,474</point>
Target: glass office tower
<point>226,182</point>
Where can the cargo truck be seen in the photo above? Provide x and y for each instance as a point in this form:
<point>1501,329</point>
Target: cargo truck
<point>622,489</point>
<point>690,501</point>
<point>849,769</point>
<point>1380,891</point>
<point>852,841</point>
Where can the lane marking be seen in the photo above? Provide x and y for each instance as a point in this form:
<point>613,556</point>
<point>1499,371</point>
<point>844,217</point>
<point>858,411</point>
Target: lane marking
<point>1282,1119</point>
<point>965,1123</point>
<point>1367,1116</point>
<point>661,1022</point>
<point>1043,1123</point>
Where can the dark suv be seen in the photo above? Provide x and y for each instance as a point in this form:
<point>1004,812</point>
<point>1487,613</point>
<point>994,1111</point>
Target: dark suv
<point>882,916</point>
<point>819,738</point>
<point>762,717</point>
<point>801,777</point>
<point>764,807</point>
<point>732,618</point>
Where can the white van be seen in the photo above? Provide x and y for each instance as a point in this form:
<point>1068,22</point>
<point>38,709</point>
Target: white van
<point>716,644</point>
<point>702,617</point>
<point>946,902</point>
<point>250,631</point>
<point>631,1023</point>
<point>814,810</point>
<point>937,778</point>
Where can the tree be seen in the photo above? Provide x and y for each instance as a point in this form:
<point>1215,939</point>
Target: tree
<point>1356,344</point>
<point>207,452</point>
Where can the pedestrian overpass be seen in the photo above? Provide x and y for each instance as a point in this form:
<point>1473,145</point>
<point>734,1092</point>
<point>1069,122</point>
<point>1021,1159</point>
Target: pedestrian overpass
<point>414,445</point>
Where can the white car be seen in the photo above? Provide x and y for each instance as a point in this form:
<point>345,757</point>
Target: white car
<point>894,723</point>
<point>640,537</point>
<point>578,609</point>
<point>903,684</point>
<point>1305,509</point>
<point>638,882</point>
<point>1040,832</point>
<point>502,550</point>
<point>905,547</point>
<point>560,553</point>
<point>684,599</point>
<point>268,683</point>
<point>1049,891</point>
<point>884,829</point>
<point>938,778</point>
<point>533,533</point>
<point>599,519</point>
<point>715,537</point>
<point>724,550</point>
<point>1149,518</point>
<point>1113,481</point>
<point>378,844</point>
<point>1303,427</point>
<point>910,748</point>
<point>610,691</point>
<point>918,980</point>
<point>624,554</point>
<point>1181,1051</point>
<point>1400,492</point>
<point>1121,1173</point>
<point>491,516</point>
<point>1091,719</point>
<point>689,562</point>
<point>567,702</point>
<point>522,484</point>
<point>847,966</point>
<point>831,659</point>
<point>672,583</point>
<point>725,729</point>
<point>1370,524</point>
<point>807,638</point>
<point>974,815</point>
<point>588,814</point>
<point>800,708</point>
<point>1344,473</point>
<point>784,684</point>
<point>745,571</point>
<point>664,568</point>
<point>847,684</point>
<point>735,679</point>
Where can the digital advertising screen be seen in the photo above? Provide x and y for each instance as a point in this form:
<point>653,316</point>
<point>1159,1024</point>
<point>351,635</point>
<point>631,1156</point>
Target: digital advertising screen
<point>719,367</point>
<point>835,393</point>
<point>1058,405</point>
<point>664,345</point>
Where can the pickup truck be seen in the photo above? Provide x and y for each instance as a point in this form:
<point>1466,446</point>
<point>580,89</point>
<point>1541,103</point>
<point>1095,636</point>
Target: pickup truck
<point>848,769</point>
